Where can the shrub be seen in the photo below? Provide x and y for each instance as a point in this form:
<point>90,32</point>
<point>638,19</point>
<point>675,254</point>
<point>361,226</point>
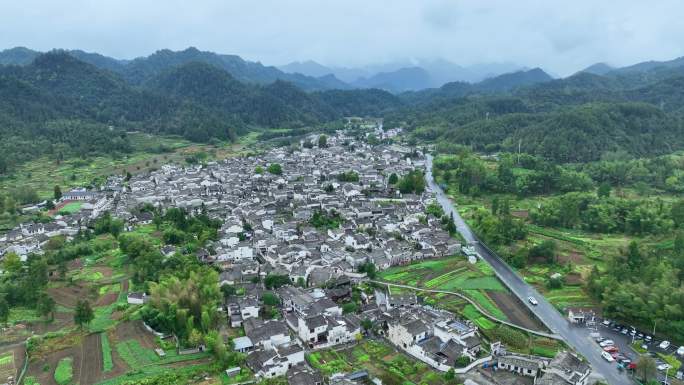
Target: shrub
<point>64,372</point>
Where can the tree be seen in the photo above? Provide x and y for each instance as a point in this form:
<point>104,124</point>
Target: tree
<point>195,338</point>
<point>12,263</point>
<point>270,299</point>
<point>393,179</point>
<point>4,310</point>
<point>603,190</point>
<point>275,169</point>
<point>322,141</point>
<point>677,213</point>
<point>83,314</point>
<point>646,368</point>
<point>258,170</point>
<point>367,324</point>
<point>57,193</point>
<point>545,250</point>
<point>45,305</point>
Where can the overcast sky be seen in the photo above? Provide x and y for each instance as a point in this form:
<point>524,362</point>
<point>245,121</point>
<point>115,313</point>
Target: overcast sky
<point>559,36</point>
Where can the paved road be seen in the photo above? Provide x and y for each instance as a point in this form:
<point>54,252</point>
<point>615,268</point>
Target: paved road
<point>577,338</point>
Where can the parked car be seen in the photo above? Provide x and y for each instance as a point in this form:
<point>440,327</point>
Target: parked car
<point>624,331</point>
<point>533,301</point>
<point>664,367</point>
<point>607,343</point>
<point>664,345</point>
<point>611,349</point>
<point>649,339</point>
<point>606,356</point>
<point>606,322</point>
<point>680,351</point>
<point>600,339</point>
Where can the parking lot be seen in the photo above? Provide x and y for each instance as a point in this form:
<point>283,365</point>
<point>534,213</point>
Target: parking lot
<point>623,336</point>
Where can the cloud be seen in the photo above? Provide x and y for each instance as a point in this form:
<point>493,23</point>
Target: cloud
<point>559,36</point>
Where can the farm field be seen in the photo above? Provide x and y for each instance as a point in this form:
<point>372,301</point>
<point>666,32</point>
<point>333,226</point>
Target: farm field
<point>577,252</point>
<point>380,360</point>
<point>450,274</point>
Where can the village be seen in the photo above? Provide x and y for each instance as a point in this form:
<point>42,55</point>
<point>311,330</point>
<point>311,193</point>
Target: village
<point>313,226</point>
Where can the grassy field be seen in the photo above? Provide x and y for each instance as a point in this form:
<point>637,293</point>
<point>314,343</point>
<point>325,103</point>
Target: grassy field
<point>450,274</point>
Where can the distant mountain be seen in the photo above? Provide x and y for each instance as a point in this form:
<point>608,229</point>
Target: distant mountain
<point>100,61</point>
<point>598,69</point>
<point>17,56</point>
<point>308,68</point>
<point>513,80</point>
<point>439,72</point>
<point>142,69</point>
<point>649,66</point>
<point>403,79</point>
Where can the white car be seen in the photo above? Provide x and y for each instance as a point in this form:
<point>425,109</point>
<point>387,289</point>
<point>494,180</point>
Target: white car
<point>607,343</point>
<point>606,356</point>
<point>664,345</point>
<point>664,367</point>
<point>680,351</point>
<point>533,301</point>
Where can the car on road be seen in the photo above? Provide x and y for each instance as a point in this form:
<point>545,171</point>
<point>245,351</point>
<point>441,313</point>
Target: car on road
<point>606,322</point>
<point>600,339</point>
<point>680,351</point>
<point>607,343</point>
<point>533,301</point>
<point>606,356</point>
<point>664,345</point>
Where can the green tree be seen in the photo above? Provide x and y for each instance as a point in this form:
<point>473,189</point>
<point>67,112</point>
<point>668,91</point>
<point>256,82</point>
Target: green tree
<point>393,179</point>
<point>270,299</point>
<point>646,368</point>
<point>323,141</point>
<point>677,213</point>
<point>258,170</point>
<point>83,314</point>
<point>57,193</point>
<point>4,310</point>
<point>275,169</point>
<point>603,190</point>
<point>12,263</point>
<point>45,305</point>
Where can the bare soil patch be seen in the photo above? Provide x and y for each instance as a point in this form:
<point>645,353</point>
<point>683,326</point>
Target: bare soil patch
<point>516,312</point>
<point>524,214</point>
<point>573,256</point>
<point>135,330</point>
<point>67,296</point>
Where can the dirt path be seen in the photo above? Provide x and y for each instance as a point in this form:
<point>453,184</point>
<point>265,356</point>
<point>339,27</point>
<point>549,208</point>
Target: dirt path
<point>91,360</point>
<point>516,312</point>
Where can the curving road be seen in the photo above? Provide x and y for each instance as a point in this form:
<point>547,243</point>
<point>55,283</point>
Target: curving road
<point>577,338</point>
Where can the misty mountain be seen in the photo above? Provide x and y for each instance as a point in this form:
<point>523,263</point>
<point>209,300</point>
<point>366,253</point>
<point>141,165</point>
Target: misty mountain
<point>403,79</point>
<point>308,68</point>
<point>142,69</point>
<point>598,69</point>
<point>513,80</point>
<point>649,66</point>
<point>17,56</point>
<point>439,72</point>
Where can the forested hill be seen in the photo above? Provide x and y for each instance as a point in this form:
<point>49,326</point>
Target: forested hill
<point>58,94</point>
<point>142,69</point>
<point>576,119</point>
